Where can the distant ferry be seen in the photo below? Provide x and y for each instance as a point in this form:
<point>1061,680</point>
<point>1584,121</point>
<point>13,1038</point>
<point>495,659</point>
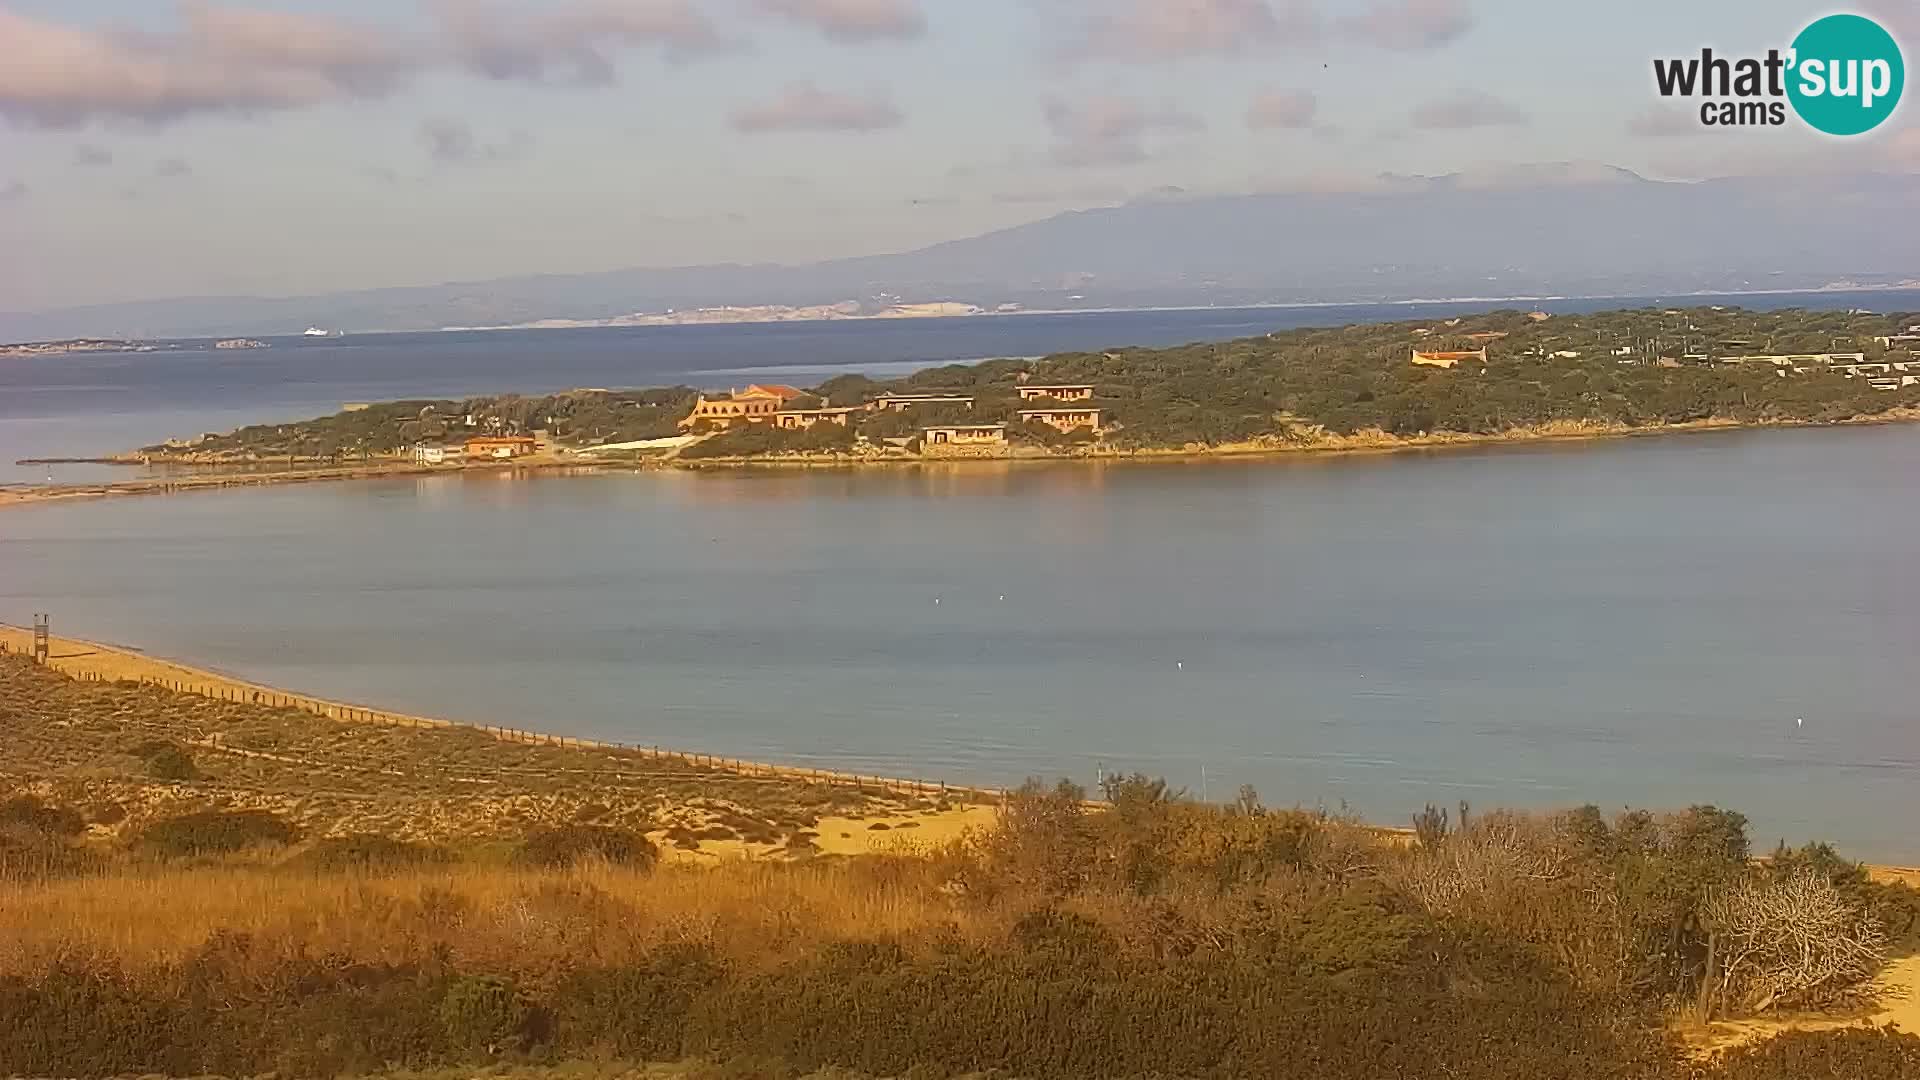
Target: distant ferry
<point>314,331</point>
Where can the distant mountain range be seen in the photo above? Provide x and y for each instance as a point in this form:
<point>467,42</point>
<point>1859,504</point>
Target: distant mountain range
<point>1565,230</point>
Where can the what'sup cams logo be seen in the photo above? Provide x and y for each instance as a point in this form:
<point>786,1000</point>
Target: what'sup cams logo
<point>1842,75</point>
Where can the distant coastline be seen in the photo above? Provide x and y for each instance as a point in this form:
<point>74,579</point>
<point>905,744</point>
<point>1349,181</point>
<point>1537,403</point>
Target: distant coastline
<point>852,311</point>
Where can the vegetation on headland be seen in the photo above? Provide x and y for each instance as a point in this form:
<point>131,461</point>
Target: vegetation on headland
<point>1295,389</point>
<point>211,931</point>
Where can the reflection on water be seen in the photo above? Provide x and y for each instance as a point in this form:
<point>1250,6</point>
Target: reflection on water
<point>1635,622</point>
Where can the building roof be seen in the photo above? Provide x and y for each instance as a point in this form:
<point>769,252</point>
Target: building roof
<point>962,427</point>
<point>779,390</point>
<point>499,439</point>
<point>1057,386</point>
<point>1058,409</point>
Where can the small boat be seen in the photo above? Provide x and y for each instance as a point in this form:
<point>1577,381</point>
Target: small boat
<point>314,331</point>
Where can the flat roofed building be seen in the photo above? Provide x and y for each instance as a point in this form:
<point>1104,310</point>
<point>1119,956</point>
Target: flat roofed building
<point>1063,392</point>
<point>1063,419</point>
<point>903,402</point>
<point>962,435</point>
<point>801,419</point>
<point>497,447</point>
<point>1448,359</point>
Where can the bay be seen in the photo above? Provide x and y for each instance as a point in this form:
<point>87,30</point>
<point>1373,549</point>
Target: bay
<point>1634,622</point>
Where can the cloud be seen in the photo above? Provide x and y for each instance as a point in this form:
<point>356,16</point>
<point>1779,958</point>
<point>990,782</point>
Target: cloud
<point>1660,121</point>
<point>1153,30</point>
<point>802,106</point>
<point>92,157</point>
<point>570,43</point>
<point>227,59</point>
<point>172,166</point>
<point>452,142</point>
<point>1903,149</point>
<point>1109,130</point>
<point>13,191</point>
<point>854,20</point>
<point>1409,25</point>
<point>220,59</point>
<point>1466,109</point>
<point>1282,109</point>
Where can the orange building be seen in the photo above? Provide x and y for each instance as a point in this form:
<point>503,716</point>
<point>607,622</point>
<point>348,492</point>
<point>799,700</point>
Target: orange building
<point>500,447</point>
<point>783,392</point>
<point>1063,419</point>
<point>754,405</point>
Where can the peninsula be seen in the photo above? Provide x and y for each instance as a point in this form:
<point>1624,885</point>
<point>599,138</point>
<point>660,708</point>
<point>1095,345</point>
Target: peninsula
<point>1501,376</point>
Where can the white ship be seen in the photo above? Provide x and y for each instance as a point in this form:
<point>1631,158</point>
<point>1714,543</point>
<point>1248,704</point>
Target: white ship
<point>314,331</point>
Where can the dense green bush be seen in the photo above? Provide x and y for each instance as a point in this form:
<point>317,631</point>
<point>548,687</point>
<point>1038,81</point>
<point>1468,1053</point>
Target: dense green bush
<point>366,852</point>
<point>567,844</point>
<point>1851,1054</point>
<point>213,832</point>
<point>746,440</point>
<point>30,812</point>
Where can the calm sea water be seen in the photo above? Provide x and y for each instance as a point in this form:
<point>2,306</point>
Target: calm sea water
<point>1638,622</point>
<point>86,406</point>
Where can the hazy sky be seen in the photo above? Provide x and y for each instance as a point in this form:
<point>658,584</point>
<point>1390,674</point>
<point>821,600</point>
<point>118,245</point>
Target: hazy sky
<point>153,149</point>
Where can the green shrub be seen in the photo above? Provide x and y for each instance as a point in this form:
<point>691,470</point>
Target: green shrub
<point>172,764</point>
<point>483,1013</point>
<point>567,844</point>
<point>29,812</point>
<point>28,854</point>
<point>368,852</point>
<point>165,760</point>
<point>213,832</point>
<point>1847,1054</point>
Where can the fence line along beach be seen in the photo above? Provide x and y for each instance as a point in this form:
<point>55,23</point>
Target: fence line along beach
<point>90,661</point>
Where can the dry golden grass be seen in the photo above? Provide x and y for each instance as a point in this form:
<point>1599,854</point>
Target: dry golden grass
<point>527,923</point>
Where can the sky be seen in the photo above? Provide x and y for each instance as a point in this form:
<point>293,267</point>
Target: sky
<point>275,147</point>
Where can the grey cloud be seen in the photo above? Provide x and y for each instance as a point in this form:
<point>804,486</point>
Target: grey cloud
<point>854,20</point>
<point>1661,121</point>
<point>1410,24</point>
<point>13,191</point>
<point>1282,109</point>
<point>92,157</point>
<point>1466,109</point>
<point>1109,130</point>
<point>172,167</point>
<point>1152,30</point>
<point>570,43</point>
<point>803,106</point>
<point>452,142</point>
